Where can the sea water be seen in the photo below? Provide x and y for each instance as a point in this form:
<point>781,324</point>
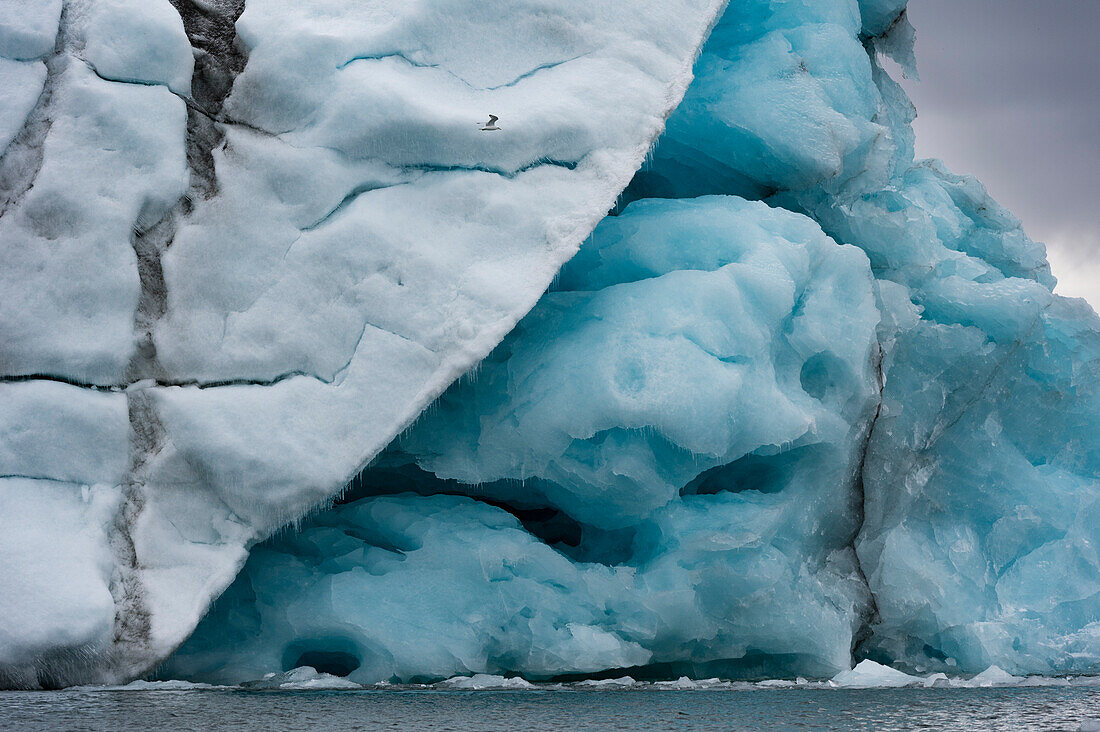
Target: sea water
<point>170,707</point>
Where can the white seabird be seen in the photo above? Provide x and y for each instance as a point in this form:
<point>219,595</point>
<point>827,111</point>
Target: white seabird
<point>491,124</point>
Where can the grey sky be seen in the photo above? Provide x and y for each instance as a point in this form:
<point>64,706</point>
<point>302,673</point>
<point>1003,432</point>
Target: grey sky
<point>1009,93</point>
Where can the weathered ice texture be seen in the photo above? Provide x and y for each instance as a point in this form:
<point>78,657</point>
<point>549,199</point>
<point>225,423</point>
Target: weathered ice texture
<point>748,391</point>
<point>657,467</point>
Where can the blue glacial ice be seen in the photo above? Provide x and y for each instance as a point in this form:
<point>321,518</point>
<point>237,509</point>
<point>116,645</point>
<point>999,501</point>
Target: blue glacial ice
<point>800,403</point>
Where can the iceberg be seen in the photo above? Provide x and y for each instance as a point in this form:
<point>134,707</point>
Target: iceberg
<point>176,204</point>
<point>688,370</point>
<point>870,675</point>
<point>481,681</point>
<point>302,678</point>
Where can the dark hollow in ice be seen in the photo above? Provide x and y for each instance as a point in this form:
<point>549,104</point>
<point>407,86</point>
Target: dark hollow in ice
<point>321,656</point>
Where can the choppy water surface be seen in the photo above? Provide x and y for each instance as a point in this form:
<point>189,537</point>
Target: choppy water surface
<point>1041,708</point>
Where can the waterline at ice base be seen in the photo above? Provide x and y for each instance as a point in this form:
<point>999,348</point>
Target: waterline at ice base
<point>681,368</point>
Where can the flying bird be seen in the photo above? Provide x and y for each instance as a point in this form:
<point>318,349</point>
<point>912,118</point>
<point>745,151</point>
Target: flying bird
<point>491,124</point>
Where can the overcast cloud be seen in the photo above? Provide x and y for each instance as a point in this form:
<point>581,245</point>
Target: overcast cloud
<point>1009,93</point>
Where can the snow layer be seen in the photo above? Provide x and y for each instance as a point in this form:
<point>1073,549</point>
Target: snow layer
<point>28,28</point>
<point>57,569</point>
<point>272,277</point>
<point>22,82</point>
<point>139,41</point>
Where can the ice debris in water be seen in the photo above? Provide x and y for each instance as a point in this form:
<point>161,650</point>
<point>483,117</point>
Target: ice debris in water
<point>868,675</point>
<point>300,679</point>
<point>485,681</point>
<point>621,682</point>
<point>145,685</point>
<point>995,676</point>
<point>800,402</point>
<point>687,684</point>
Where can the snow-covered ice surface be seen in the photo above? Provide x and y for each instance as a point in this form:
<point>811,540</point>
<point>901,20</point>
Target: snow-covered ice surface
<point>801,406</point>
<point>303,678</point>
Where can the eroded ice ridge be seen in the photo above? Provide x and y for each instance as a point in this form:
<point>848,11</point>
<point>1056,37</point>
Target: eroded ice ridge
<point>244,246</point>
<point>734,438</point>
